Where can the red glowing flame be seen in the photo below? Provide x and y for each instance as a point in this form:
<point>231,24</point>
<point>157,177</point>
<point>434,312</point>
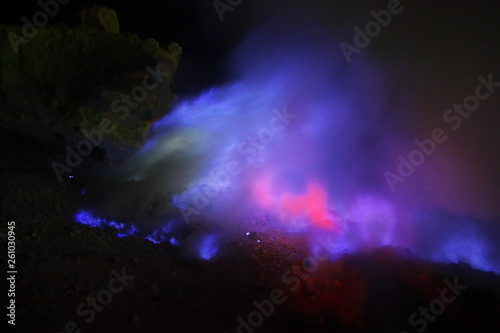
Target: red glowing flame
<point>313,204</point>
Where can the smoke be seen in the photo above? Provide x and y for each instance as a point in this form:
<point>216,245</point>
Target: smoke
<point>297,141</point>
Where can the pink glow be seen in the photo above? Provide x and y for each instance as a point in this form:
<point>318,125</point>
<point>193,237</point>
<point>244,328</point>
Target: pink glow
<point>312,204</point>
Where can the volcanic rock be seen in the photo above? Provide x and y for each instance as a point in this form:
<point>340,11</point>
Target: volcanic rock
<point>66,77</point>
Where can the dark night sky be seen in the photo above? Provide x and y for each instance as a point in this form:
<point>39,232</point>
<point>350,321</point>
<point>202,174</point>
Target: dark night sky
<point>207,41</point>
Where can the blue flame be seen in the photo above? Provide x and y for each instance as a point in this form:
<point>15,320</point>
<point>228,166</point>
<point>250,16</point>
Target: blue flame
<point>161,234</point>
<point>466,248</point>
<point>208,247</point>
<point>129,230</point>
<point>450,238</point>
<point>173,241</point>
<point>88,218</point>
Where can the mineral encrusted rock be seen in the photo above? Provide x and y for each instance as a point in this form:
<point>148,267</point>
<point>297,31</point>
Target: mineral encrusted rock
<point>69,75</point>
